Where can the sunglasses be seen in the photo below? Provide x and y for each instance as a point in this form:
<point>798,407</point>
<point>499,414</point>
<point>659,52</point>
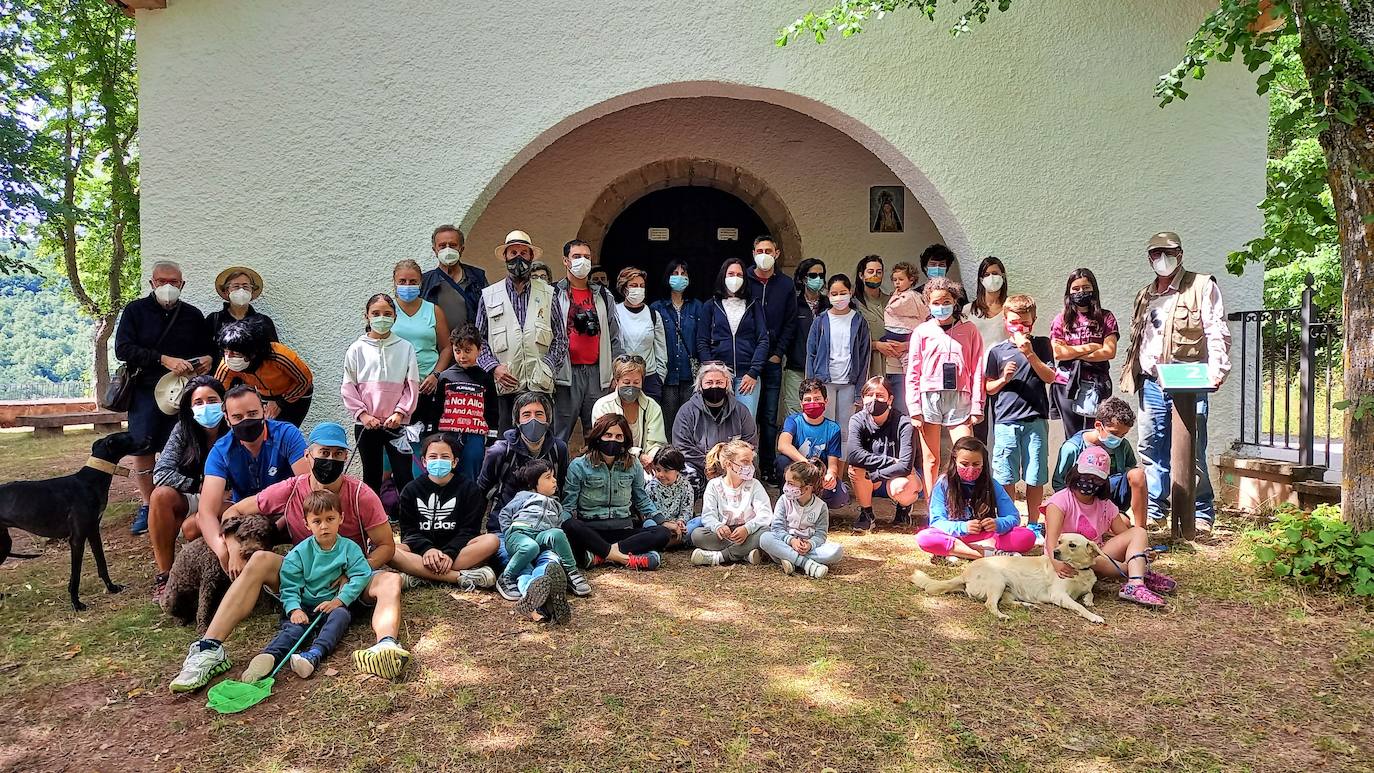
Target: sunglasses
<point>634,358</point>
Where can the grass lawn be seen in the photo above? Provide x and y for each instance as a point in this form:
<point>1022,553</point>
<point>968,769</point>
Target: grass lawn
<point>690,668</point>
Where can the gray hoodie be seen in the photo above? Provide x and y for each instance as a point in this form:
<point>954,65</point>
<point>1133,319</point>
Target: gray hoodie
<point>698,428</point>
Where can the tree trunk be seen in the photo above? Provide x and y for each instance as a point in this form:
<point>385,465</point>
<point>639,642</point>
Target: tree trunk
<point>1349,149</point>
<point>100,366</point>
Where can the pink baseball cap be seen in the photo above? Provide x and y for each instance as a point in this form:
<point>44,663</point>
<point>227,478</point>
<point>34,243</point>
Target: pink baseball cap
<point>1095,461</point>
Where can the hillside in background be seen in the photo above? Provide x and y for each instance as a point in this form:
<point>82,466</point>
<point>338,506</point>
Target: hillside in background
<point>46,346</point>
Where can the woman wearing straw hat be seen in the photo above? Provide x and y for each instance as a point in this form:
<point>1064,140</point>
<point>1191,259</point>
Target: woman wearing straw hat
<point>239,286</point>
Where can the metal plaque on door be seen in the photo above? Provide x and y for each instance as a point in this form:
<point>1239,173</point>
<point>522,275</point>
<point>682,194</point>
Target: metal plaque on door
<point>658,234</point>
<point>727,234</point>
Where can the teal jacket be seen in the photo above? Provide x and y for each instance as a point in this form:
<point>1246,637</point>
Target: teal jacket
<point>607,497</point>
<point>308,574</point>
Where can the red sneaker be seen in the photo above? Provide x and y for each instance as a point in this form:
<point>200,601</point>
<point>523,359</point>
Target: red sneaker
<point>645,562</point>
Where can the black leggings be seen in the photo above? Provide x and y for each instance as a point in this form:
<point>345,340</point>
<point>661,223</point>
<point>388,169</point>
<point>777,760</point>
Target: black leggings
<point>294,413</point>
<point>1073,423</point>
<point>372,443</point>
<point>583,536</point>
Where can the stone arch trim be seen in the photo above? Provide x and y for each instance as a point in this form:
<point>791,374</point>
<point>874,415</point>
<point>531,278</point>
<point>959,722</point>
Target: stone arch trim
<point>702,172</point>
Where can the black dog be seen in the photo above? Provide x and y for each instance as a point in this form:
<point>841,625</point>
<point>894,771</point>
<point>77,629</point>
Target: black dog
<point>70,506</point>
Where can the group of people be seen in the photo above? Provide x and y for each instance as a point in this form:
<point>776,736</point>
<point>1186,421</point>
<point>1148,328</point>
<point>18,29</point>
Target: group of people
<point>464,395</point>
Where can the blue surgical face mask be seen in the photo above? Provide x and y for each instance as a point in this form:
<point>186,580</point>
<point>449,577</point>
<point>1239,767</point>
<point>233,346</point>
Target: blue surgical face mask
<point>438,468</point>
<point>208,415</point>
<point>942,312</point>
<point>407,293</point>
<point>677,283</point>
<point>935,272</point>
<point>815,283</point>
<point>1109,441</point>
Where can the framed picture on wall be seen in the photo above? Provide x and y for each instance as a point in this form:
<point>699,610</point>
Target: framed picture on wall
<point>885,209</point>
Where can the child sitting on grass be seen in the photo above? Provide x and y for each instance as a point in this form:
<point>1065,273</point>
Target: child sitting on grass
<point>530,523</point>
<point>801,520</point>
<point>970,516</point>
<point>670,489</point>
<point>734,508</point>
<point>309,576</point>
<point>1126,486</point>
<point>1086,508</point>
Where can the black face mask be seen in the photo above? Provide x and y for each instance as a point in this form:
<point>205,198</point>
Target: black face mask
<point>1082,298</point>
<point>326,471</point>
<point>519,268</point>
<point>249,430</point>
<point>878,407</point>
<point>714,394</point>
<point>610,447</point>
<point>1087,486</point>
<point>532,430</point>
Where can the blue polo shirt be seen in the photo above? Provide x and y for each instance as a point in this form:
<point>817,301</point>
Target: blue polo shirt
<point>244,475</point>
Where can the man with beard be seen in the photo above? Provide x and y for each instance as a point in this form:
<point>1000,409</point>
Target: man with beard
<point>363,521</point>
<point>523,340</point>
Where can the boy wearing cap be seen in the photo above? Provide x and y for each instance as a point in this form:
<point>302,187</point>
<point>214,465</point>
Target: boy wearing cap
<point>363,521</point>
<point>1018,373</point>
<point>1179,318</point>
<point>1085,508</point>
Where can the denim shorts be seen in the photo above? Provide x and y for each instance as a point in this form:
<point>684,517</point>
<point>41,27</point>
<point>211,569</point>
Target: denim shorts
<point>1020,451</point>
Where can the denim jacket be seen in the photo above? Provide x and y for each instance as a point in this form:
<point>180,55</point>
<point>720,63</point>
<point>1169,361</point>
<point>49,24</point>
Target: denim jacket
<point>682,340</point>
<point>607,497</point>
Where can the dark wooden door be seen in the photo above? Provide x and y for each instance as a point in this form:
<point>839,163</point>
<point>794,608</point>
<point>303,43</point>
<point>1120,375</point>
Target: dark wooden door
<point>692,216</point>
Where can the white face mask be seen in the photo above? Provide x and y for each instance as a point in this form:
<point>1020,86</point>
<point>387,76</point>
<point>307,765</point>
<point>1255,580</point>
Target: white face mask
<point>840,302</point>
<point>167,294</point>
<point>1164,265</point>
<point>240,297</point>
<point>764,261</point>
<point>236,364</point>
<point>634,296</point>
<point>993,282</point>
<point>734,283</point>
<point>449,256</point>
<point>580,267</point>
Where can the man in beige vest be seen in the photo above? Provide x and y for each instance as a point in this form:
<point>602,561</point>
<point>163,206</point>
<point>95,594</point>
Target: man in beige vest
<point>523,340</point>
<point>1178,317</point>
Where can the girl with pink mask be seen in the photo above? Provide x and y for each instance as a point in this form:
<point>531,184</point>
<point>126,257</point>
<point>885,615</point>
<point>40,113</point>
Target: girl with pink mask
<point>970,516</point>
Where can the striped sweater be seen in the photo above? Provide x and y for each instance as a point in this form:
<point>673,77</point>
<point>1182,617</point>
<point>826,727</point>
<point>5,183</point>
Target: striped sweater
<point>282,375</point>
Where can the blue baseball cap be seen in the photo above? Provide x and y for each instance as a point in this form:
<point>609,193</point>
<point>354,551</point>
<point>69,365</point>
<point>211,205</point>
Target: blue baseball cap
<point>328,433</point>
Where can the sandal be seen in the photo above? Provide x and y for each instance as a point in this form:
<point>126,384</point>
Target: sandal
<point>1160,583</point>
<point>1141,595</point>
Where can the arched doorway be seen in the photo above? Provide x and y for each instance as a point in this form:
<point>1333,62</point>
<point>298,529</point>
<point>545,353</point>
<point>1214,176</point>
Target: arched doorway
<point>681,223</point>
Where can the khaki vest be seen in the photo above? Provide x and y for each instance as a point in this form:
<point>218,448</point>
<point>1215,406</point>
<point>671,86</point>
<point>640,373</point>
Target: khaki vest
<point>521,349</point>
<point>1183,334</point>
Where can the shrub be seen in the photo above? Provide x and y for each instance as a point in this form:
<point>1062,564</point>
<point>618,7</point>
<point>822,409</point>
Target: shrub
<point>1317,549</point>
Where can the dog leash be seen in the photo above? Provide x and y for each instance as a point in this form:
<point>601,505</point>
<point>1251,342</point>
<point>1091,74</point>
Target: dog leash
<point>1147,554</point>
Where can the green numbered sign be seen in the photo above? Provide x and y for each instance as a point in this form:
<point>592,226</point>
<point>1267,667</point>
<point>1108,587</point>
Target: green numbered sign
<point>1185,377</point>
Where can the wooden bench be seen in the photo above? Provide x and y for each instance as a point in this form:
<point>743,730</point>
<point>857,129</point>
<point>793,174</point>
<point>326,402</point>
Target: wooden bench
<point>52,424</point>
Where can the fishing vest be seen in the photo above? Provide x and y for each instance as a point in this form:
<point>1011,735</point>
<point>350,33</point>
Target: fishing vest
<point>1183,335</point>
<point>521,348</point>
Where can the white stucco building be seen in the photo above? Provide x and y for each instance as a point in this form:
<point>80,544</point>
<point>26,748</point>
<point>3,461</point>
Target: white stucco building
<point>321,141</point>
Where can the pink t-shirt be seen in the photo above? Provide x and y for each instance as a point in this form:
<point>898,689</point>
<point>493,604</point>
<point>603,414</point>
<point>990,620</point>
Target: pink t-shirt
<point>1093,521</point>
<point>362,510</point>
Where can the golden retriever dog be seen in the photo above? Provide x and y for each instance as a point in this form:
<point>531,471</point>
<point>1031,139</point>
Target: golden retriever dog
<point>1027,580</point>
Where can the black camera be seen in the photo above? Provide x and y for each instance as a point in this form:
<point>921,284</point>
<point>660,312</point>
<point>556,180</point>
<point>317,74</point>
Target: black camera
<point>585,322</point>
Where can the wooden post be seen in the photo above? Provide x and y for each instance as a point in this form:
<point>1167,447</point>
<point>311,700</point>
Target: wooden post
<point>1183,466</point>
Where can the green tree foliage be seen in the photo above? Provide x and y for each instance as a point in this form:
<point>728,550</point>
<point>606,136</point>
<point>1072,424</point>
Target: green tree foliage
<point>47,339</point>
<point>68,153</point>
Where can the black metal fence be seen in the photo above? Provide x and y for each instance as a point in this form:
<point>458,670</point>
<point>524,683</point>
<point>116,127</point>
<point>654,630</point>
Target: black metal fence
<point>1281,349</point>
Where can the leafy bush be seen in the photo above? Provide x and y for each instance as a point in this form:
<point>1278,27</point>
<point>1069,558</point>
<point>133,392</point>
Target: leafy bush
<point>1317,549</point>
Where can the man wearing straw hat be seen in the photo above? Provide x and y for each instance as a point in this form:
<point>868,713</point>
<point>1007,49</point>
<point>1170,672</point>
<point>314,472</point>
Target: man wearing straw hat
<point>239,286</point>
<point>523,341</point>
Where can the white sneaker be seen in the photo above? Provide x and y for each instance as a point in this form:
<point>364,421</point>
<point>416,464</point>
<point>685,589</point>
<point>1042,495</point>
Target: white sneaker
<point>200,667</point>
<point>816,569</point>
<point>788,567</point>
<point>707,557</point>
<point>302,665</point>
<point>258,668</point>
<point>481,577</point>
<point>755,557</point>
